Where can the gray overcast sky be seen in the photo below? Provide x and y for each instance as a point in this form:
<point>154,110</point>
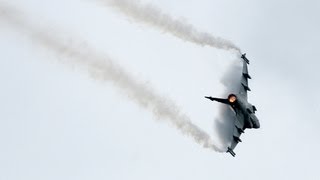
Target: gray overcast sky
<point>58,123</point>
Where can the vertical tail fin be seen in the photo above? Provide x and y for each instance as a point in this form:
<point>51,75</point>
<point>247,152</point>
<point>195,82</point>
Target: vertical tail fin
<point>224,101</point>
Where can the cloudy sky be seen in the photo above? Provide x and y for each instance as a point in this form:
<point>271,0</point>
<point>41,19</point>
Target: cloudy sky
<point>57,122</point>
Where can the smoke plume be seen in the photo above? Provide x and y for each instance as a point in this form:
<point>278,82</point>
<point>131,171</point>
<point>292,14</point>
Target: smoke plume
<point>153,16</point>
<point>102,68</point>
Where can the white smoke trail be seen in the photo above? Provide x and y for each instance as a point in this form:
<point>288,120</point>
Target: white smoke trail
<point>153,16</point>
<point>103,68</point>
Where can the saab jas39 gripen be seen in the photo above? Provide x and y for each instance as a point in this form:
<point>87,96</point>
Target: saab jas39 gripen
<point>245,112</point>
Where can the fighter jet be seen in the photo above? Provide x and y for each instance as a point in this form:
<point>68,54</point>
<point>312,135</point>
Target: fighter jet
<point>244,111</point>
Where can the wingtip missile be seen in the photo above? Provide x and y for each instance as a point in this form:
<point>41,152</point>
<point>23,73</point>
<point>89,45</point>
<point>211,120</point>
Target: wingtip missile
<point>243,56</point>
<point>231,152</point>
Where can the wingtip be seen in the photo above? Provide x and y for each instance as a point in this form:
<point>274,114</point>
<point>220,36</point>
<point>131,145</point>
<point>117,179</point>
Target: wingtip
<point>231,152</point>
<point>243,56</point>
